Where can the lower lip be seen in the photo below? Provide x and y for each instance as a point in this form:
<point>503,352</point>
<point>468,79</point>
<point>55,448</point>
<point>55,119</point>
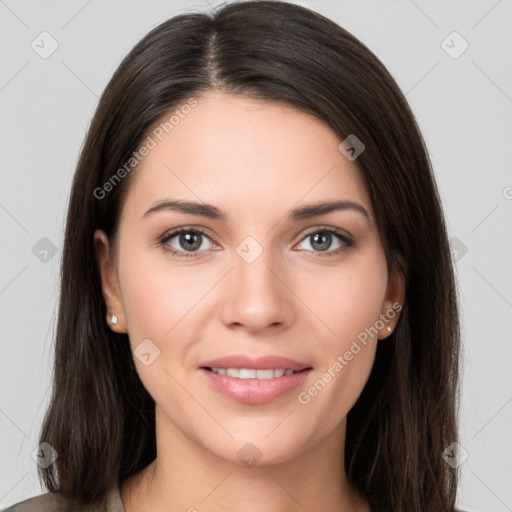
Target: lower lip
<point>255,391</point>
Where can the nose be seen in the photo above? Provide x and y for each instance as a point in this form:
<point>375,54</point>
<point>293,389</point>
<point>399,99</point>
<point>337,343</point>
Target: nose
<point>256,296</point>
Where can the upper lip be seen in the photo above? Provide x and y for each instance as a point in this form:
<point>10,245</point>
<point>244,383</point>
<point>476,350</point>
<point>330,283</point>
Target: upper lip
<point>257,363</point>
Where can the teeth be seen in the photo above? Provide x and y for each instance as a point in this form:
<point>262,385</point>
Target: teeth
<point>249,373</point>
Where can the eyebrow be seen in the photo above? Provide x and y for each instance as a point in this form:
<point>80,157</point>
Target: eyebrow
<point>212,212</point>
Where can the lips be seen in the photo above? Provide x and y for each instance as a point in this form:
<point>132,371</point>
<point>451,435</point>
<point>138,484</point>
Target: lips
<point>276,377</point>
<point>268,362</point>
<point>255,391</point>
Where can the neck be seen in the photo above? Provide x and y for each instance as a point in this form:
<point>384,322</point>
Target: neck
<point>188,477</point>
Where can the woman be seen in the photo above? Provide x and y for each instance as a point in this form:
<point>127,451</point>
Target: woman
<point>258,308</point>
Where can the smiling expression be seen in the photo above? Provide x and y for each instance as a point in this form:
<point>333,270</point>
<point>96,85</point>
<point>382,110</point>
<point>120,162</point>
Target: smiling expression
<point>246,232</point>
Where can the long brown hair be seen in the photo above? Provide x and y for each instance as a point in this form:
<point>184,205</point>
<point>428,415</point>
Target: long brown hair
<point>101,419</point>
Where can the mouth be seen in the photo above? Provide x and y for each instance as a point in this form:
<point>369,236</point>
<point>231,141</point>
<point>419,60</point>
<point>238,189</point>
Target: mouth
<point>252,379</point>
<point>253,373</point>
<point>247,389</point>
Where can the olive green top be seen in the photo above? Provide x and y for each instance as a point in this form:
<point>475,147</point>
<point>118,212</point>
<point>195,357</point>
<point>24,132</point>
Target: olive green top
<point>54,502</point>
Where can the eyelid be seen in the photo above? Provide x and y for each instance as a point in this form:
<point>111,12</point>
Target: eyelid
<point>186,229</point>
<point>316,229</point>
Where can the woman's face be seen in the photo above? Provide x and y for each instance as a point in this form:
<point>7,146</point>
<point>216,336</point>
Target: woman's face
<point>263,278</point>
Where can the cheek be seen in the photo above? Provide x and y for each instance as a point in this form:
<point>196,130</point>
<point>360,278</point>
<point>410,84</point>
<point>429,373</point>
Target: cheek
<point>168,306</point>
<point>349,303</point>
<point>156,295</point>
<point>159,304</point>
<point>347,300</point>
<point>335,388</point>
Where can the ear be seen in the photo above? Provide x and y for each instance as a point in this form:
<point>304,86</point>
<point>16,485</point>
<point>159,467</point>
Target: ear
<point>393,303</point>
<point>109,281</point>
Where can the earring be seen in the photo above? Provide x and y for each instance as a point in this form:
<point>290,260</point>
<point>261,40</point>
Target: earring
<point>113,320</point>
<point>389,329</point>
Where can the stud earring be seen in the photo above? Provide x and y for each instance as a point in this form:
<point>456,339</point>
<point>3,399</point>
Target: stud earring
<point>113,320</point>
<point>389,329</point>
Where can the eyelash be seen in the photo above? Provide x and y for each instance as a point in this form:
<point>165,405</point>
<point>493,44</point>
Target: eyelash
<point>342,236</point>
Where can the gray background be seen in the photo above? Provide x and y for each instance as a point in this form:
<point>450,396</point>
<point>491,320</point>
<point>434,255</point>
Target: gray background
<point>463,106</point>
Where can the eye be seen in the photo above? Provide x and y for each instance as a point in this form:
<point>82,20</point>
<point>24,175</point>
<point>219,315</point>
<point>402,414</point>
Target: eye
<point>190,242</point>
<point>184,242</point>
<point>322,239</point>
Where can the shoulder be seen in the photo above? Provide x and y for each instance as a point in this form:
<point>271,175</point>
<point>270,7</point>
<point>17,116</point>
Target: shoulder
<point>48,502</point>
<point>55,502</point>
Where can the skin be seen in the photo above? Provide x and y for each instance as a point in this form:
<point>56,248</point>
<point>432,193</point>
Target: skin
<point>255,161</point>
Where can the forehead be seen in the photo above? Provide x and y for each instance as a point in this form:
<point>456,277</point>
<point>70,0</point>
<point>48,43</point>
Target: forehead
<point>244,153</point>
